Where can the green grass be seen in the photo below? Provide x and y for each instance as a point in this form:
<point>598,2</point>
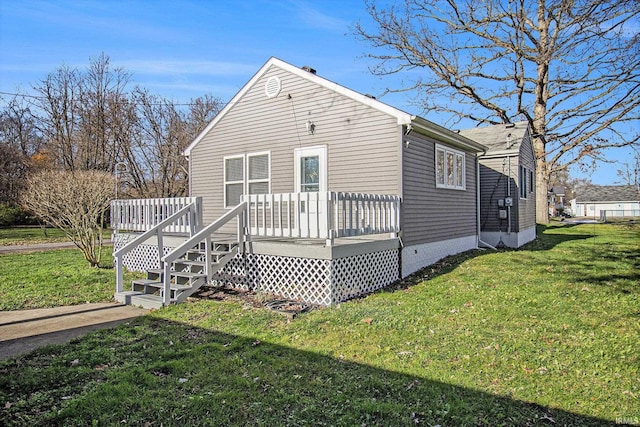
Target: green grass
<point>30,235</point>
<point>54,278</point>
<point>544,335</point>
<point>33,235</point>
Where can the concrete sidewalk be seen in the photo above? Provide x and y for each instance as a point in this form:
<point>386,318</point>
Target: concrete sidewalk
<point>22,331</point>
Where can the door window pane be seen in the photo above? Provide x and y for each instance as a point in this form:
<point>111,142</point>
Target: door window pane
<point>310,174</point>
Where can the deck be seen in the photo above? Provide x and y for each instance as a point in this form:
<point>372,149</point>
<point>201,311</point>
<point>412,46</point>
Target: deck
<point>281,249</point>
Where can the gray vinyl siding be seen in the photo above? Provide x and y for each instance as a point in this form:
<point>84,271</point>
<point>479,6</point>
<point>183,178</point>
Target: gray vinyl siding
<point>527,207</point>
<point>431,214</point>
<point>496,184</point>
<point>363,143</point>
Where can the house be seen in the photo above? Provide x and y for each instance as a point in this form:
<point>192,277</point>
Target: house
<point>556,196</point>
<point>507,184</point>
<point>306,189</point>
<point>607,201</point>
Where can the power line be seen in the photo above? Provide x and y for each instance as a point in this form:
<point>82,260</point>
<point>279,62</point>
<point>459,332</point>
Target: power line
<point>181,104</point>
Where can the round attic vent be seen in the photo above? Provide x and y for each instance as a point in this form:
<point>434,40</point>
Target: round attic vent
<point>272,87</point>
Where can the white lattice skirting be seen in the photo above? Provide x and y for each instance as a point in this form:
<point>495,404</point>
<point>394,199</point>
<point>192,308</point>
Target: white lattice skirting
<point>317,281</point>
<point>142,258</point>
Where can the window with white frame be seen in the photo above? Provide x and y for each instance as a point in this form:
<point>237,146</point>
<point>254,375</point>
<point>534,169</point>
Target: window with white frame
<point>449,168</point>
<point>249,173</point>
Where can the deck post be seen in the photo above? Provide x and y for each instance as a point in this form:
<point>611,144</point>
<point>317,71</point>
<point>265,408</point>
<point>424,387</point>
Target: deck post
<point>119,278</point>
<point>207,259</point>
<point>166,281</point>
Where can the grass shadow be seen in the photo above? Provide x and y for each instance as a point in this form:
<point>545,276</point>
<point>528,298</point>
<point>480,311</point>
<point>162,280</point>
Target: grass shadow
<point>159,372</point>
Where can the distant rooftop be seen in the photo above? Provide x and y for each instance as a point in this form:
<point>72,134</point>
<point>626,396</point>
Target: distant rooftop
<point>608,193</point>
<point>498,137</point>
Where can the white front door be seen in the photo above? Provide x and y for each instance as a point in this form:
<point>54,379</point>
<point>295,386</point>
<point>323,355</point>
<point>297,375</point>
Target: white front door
<point>311,183</point>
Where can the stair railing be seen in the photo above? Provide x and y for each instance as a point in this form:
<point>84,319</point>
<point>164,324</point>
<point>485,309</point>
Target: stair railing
<point>205,234</point>
<point>193,214</point>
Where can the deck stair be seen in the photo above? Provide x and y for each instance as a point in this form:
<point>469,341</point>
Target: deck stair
<point>187,275</point>
<point>185,268</point>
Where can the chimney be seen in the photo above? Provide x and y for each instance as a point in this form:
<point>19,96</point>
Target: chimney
<point>309,69</point>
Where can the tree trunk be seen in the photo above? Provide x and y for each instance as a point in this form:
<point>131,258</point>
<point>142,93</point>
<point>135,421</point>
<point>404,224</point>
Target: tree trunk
<point>542,190</point>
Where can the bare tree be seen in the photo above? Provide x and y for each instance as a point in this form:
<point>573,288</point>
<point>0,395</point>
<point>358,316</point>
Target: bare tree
<point>102,109</point>
<point>629,173</point>
<point>571,69</point>
<point>18,128</point>
<point>57,114</point>
<point>155,165</point>
<point>84,115</point>
<point>76,202</point>
<point>13,174</point>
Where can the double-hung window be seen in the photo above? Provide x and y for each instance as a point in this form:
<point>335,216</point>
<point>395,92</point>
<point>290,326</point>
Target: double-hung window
<point>449,168</point>
<point>249,174</point>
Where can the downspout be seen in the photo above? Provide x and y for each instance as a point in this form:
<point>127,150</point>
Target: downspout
<point>480,242</point>
<point>509,194</point>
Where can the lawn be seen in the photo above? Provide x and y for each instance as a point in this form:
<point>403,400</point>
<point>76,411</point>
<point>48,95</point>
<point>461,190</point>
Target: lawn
<point>33,235</point>
<point>546,335</point>
<point>27,235</point>
<point>54,278</point>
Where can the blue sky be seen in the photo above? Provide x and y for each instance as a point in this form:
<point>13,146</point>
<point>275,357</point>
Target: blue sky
<point>185,49</point>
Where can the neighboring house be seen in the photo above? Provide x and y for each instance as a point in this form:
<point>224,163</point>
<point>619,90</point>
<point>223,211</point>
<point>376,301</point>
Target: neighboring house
<point>332,193</point>
<point>556,197</point>
<point>507,184</point>
<point>607,201</point>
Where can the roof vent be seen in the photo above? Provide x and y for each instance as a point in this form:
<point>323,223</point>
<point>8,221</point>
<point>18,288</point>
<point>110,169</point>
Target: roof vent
<point>309,69</point>
<point>272,87</point>
<point>510,125</point>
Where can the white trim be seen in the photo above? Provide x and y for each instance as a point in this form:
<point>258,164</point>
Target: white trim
<point>456,154</point>
<point>317,150</point>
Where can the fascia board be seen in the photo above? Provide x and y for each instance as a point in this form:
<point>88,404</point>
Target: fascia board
<point>445,135</point>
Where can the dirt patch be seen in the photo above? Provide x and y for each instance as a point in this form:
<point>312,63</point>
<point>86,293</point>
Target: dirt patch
<point>287,307</point>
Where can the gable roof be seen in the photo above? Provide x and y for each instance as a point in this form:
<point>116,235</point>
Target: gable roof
<point>608,193</point>
<point>413,122</point>
<point>499,139</point>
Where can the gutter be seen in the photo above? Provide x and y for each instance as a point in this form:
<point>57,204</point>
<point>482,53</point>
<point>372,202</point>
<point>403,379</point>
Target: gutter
<point>443,134</point>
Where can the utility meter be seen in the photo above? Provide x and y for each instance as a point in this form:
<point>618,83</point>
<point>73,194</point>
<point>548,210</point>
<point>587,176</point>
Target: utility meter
<point>508,201</point>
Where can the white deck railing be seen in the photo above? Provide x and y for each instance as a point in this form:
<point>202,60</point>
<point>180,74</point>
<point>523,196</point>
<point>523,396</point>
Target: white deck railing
<point>188,214</point>
<point>324,215</point>
<point>314,215</point>
<point>144,214</point>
